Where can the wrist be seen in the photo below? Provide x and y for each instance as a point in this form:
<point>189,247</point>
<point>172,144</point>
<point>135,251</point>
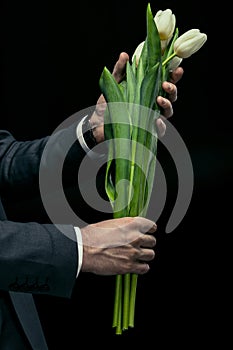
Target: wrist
<point>87,140</point>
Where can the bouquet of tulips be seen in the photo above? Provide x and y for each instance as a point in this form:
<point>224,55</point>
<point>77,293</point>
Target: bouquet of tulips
<point>131,134</point>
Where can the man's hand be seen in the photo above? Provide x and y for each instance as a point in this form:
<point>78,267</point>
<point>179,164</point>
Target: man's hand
<point>97,119</point>
<point>118,246</point>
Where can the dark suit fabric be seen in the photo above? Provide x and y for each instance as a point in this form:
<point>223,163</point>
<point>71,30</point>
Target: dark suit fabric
<point>34,258</point>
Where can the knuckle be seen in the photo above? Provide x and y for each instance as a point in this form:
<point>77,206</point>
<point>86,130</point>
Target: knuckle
<point>134,253</point>
<point>130,267</point>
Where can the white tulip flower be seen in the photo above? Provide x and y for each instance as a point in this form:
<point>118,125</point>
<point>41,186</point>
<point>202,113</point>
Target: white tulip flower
<point>165,22</point>
<point>188,43</point>
<point>137,52</point>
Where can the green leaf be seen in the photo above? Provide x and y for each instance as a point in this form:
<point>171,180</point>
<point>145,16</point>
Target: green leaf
<point>108,131</point>
<point>153,41</point>
<point>142,64</point>
<point>131,84</point>
<point>109,186</point>
<point>110,88</point>
<point>134,67</point>
<point>123,87</point>
<point>118,136</point>
<point>150,86</point>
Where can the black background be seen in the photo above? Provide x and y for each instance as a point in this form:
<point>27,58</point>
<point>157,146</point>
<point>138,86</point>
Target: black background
<point>52,55</point>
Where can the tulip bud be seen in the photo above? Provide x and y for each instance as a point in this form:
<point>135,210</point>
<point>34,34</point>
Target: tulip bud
<point>165,22</point>
<point>188,43</point>
<point>137,52</point>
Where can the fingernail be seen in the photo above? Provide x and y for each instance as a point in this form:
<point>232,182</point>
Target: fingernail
<point>169,86</point>
<point>164,102</point>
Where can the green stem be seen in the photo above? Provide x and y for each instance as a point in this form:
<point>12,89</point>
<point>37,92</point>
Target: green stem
<point>126,301</point>
<point>169,59</point>
<point>132,170</point>
<point>117,306</point>
<point>119,327</point>
<point>132,299</point>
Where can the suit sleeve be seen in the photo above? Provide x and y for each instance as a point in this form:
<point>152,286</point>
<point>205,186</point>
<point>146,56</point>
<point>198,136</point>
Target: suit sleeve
<point>36,258</point>
<point>21,161</point>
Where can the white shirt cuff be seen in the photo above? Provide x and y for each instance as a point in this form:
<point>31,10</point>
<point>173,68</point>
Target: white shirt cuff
<point>79,133</point>
<point>80,248</point>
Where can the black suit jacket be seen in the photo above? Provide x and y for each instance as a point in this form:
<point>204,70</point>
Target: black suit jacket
<point>34,258</point>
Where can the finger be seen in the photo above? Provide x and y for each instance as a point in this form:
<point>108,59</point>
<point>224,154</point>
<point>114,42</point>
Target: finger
<point>146,254</point>
<point>119,68</point>
<point>144,225</point>
<point>171,90</point>
<point>141,268</point>
<point>161,127</point>
<point>166,105</point>
<point>176,75</point>
<point>145,241</point>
